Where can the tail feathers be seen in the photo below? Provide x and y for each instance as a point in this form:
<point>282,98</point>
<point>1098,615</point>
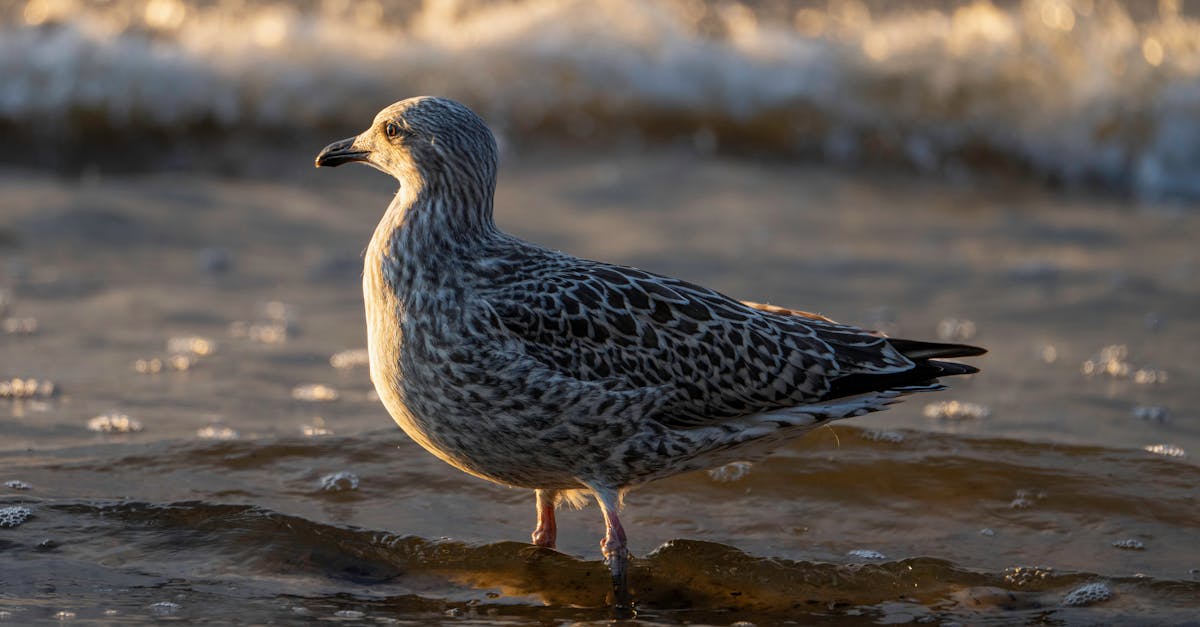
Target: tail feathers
<point>917,350</point>
<point>923,376</point>
<point>951,368</point>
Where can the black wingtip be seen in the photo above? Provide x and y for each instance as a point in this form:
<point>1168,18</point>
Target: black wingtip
<point>952,368</point>
<point>923,375</point>
<point>917,350</point>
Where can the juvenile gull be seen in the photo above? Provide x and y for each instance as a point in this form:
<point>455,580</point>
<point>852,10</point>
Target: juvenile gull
<point>532,368</point>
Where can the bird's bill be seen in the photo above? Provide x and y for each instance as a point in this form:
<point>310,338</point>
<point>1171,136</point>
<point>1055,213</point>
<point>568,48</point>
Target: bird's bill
<point>341,151</point>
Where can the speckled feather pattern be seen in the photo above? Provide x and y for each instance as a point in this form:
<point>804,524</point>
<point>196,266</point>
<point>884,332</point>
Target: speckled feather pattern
<point>533,368</point>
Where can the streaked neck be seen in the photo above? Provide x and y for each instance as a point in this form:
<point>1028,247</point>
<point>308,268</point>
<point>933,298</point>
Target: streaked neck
<point>428,227</point>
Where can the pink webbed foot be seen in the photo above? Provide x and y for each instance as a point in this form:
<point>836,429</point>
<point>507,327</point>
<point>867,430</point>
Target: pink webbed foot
<point>546,532</point>
<point>616,554</point>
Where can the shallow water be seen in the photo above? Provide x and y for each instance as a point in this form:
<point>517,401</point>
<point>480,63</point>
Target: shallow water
<point>1064,464</point>
<point>242,529</point>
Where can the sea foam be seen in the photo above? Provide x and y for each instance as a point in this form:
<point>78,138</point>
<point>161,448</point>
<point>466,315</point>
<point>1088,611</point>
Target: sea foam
<point>1075,91</point>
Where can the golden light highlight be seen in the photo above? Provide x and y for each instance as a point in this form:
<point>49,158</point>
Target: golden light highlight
<point>165,14</point>
<point>1058,15</point>
<point>977,23</point>
<point>1152,51</point>
<point>271,28</point>
<point>38,12</point>
<point>875,46</point>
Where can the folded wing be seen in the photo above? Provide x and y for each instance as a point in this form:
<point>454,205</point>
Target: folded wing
<point>713,357</point>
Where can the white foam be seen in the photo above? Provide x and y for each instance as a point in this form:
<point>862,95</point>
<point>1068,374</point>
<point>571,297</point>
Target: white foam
<point>1087,594</point>
<point>1080,92</point>
<point>114,423</point>
<point>315,393</point>
<point>340,481</point>
<point>732,471</point>
<point>13,516</point>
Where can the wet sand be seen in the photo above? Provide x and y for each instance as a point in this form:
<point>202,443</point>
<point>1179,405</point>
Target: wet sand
<point>991,501</point>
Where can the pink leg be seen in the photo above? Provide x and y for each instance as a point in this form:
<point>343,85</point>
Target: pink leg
<point>546,532</point>
<point>616,555</point>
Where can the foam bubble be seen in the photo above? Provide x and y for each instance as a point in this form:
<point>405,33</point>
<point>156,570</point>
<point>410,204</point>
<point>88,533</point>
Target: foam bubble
<point>13,516</point>
<point>193,344</point>
<point>1023,575</point>
<point>316,429</point>
<point>1113,361</point>
<point>730,472</point>
<point>891,437</point>
<point>18,387</point>
<point>1087,594</point>
<point>114,423</point>
<point>352,358</point>
<point>17,485</point>
<point>956,410</point>
<point>339,481</point>
<point>25,325</point>
<point>216,432</point>
<point>181,362</point>
<point>1149,376</point>
<point>1167,450</point>
<point>866,554</point>
<point>1025,499</point>
<point>164,608</point>
<point>1129,544</point>
<point>315,393</point>
<point>152,365</point>
<point>273,332</point>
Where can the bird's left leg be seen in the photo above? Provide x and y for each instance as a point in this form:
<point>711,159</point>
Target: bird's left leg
<point>546,532</point>
<point>616,555</point>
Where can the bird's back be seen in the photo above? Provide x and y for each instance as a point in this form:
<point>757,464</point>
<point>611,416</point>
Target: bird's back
<point>712,357</point>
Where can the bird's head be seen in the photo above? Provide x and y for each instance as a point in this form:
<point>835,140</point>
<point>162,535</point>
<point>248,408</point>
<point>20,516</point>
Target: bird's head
<point>423,141</point>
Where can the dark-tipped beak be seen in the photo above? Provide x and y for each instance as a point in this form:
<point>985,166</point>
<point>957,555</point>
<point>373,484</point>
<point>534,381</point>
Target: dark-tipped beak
<point>339,152</point>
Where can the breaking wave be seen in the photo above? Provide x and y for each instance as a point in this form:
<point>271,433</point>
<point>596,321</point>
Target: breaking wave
<point>1077,92</point>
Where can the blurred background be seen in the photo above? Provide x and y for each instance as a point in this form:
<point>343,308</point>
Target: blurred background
<point>1093,94</point>
<point>187,426</point>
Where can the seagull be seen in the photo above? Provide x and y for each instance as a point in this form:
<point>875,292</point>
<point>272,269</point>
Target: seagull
<point>535,369</point>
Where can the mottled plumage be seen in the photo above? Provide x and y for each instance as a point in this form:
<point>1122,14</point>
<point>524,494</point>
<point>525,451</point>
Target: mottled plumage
<point>532,368</point>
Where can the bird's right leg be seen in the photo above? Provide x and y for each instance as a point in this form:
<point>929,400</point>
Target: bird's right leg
<point>616,555</point>
<point>546,532</point>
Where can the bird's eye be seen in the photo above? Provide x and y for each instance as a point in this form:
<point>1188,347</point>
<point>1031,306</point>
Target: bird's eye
<point>392,129</point>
